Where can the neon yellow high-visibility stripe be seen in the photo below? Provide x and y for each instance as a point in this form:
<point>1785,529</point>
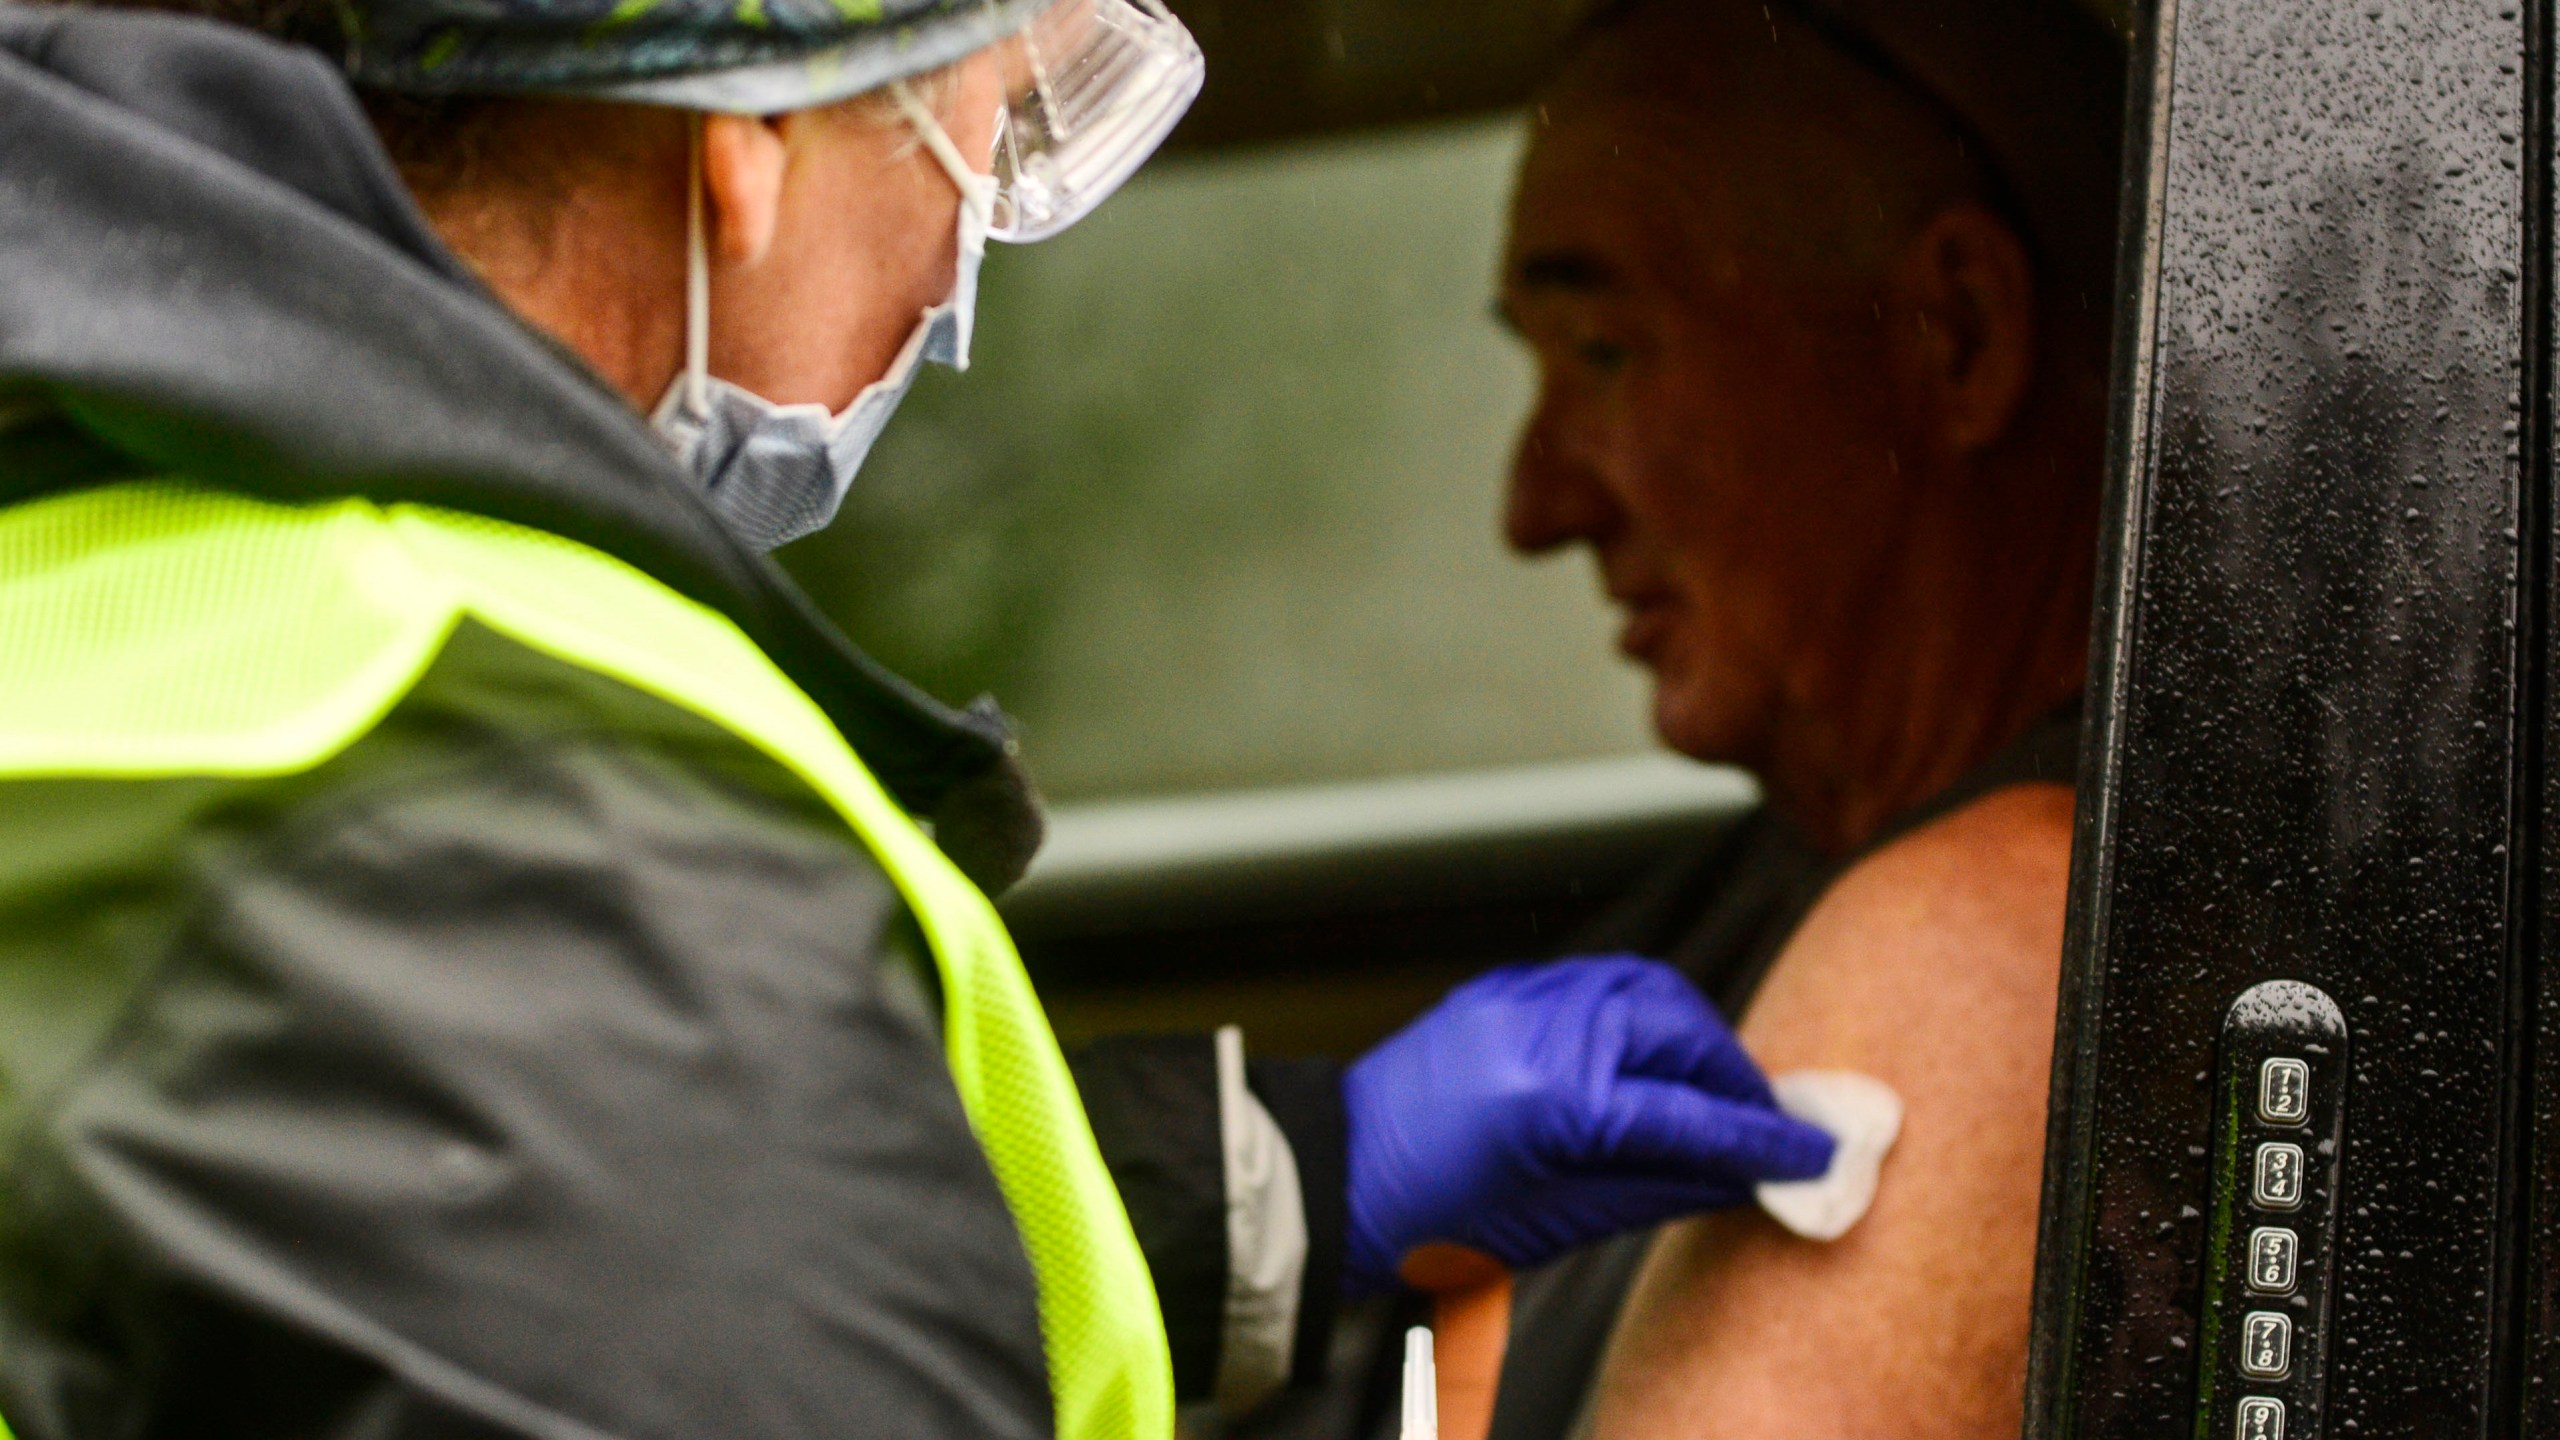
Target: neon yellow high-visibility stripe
<point>160,631</point>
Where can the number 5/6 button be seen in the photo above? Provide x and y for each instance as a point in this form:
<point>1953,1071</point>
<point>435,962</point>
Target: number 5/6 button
<point>2272,1250</point>
<point>2279,1175</point>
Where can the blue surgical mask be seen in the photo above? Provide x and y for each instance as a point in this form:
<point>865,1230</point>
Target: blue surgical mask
<point>778,472</point>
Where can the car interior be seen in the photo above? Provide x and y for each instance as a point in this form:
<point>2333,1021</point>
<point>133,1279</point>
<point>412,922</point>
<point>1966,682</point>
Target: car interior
<point>1316,746</point>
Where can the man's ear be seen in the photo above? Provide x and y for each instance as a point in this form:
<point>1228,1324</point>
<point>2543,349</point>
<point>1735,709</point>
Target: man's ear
<point>1960,301</point>
<point>743,159</point>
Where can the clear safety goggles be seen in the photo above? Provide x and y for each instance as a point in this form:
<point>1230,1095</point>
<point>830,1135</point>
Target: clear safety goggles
<point>1098,85</point>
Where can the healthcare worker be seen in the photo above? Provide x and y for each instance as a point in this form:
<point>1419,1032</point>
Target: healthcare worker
<point>478,954</point>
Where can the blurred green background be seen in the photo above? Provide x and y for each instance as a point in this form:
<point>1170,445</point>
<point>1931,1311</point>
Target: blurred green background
<point>1217,505</point>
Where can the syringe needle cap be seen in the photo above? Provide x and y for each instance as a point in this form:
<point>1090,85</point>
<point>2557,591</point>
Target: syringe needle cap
<point>1421,1388</point>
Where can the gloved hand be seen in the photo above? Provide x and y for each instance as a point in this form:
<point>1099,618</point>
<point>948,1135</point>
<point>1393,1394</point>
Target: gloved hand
<point>1541,1107</point>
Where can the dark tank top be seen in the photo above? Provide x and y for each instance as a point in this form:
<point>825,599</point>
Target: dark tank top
<point>1721,913</point>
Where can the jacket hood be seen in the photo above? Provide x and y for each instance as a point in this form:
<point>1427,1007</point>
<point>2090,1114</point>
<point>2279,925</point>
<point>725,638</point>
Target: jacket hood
<point>208,267</point>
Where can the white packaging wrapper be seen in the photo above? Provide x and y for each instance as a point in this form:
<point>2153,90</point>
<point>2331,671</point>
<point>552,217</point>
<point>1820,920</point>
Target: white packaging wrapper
<point>1864,1117</point>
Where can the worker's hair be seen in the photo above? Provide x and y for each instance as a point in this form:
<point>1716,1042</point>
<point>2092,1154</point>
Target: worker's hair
<point>442,144</point>
<point>438,142</point>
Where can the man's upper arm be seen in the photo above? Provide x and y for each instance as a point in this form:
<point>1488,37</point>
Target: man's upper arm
<point>1932,965</point>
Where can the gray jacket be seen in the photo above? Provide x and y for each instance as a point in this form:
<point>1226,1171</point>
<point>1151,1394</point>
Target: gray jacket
<point>547,1063</point>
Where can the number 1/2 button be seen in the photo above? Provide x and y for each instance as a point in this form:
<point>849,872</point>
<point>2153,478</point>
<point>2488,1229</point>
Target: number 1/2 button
<point>2284,1091</point>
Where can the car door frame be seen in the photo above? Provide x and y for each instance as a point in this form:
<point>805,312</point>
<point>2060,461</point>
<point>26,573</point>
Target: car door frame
<point>2318,713</point>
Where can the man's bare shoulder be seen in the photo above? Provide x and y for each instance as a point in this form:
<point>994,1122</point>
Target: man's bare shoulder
<point>1932,965</point>
<point>1962,912</point>
<point>1981,851</point>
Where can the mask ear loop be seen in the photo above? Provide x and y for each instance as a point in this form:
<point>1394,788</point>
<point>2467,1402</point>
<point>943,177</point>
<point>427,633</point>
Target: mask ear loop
<point>697,286</point>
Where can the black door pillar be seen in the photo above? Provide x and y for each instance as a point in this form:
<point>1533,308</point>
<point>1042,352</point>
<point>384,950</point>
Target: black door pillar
<point>2316,732</point>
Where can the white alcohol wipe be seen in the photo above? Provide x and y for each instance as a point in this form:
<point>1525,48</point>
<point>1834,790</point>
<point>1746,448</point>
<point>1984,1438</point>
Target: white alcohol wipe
<point>1864,1117</point>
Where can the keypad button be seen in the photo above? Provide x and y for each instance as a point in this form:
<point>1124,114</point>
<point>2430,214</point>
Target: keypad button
<point>2266,1345</point>
<point>2272,1251</point>
<point>2284,1091</point>
<point>2260,1419</point>
<point>2279,1175</point>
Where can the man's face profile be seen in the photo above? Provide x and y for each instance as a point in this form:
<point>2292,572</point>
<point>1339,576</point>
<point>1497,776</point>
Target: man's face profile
<point>1786,341</point>
<point>1715,429</point>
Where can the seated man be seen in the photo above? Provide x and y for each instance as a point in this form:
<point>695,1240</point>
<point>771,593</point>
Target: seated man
<point>1819,295</point>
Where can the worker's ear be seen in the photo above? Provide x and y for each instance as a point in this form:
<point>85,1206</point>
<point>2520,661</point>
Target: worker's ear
<point>1960,311</point>
<point>743,160</point>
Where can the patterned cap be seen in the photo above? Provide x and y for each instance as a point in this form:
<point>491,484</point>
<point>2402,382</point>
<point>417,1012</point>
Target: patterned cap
<point>748,57</point>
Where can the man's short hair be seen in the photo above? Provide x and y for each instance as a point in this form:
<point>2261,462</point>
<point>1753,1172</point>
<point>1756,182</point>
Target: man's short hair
<point>2039,83</point>
<point>2029,92</point>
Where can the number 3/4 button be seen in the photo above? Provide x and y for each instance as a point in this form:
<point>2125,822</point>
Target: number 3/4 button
<point>2279,1175</point>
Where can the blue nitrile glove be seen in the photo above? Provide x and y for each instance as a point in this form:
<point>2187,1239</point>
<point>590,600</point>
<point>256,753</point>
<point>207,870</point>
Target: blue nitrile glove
<point>1541,1107</point>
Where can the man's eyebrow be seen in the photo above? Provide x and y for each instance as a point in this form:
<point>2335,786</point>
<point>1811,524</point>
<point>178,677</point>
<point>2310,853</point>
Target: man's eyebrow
<point>1576,270</point>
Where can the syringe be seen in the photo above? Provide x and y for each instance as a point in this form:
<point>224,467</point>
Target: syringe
<point>1421,1388</point>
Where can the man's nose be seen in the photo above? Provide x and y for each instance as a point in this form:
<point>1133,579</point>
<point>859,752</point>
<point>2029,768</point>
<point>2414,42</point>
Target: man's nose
<point>1556,495</point>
